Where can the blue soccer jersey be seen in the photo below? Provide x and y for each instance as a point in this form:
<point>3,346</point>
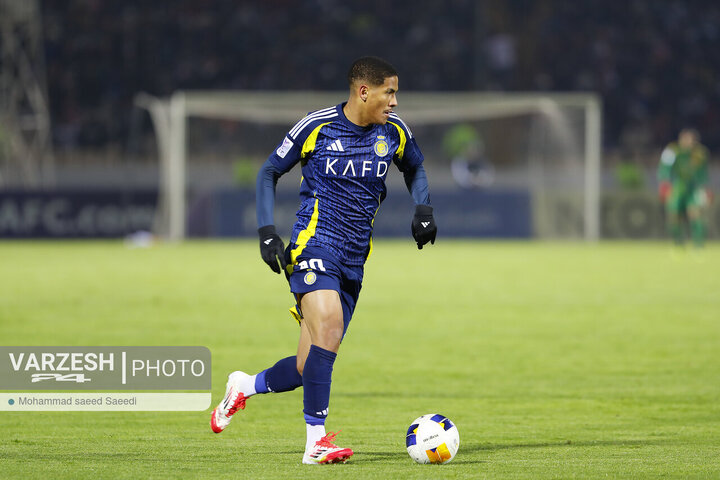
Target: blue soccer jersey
<point>344,167</point>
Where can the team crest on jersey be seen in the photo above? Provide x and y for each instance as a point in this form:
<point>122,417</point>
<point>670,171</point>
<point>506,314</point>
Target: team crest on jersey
<point>310,278</point>
<point>381,146</point>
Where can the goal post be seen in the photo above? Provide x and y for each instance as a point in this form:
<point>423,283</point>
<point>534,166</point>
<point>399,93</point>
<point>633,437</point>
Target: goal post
<point>560,133</point>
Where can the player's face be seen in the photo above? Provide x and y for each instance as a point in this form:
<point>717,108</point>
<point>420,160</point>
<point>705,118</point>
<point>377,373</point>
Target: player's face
<point>687,139</point>
<point>381,100</point>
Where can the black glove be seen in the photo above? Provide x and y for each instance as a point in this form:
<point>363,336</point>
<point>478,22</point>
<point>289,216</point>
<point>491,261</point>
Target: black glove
<point>423,225</point>
<point>272,248</point>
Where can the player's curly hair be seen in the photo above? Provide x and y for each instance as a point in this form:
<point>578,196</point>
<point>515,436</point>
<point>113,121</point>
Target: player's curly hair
<point>373,70</point>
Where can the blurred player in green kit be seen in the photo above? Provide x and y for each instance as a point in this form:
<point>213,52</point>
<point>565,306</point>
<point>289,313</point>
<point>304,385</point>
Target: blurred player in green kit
<point>683,176</point>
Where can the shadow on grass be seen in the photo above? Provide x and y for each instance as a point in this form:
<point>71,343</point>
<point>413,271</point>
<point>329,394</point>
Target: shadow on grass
<point>563,443</point>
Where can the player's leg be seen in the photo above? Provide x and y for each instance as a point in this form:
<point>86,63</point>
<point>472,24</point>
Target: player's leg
<point>284,376</point>
<point>697,205</point>
<point>281,377</point>
<point>673,217</point>
<point>323,318</point>
<point>348,290</point>
<point>697,226</point>
<point>303,347</point>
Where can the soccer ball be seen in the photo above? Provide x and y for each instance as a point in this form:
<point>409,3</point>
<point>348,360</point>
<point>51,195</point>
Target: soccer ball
<point>432,438</point>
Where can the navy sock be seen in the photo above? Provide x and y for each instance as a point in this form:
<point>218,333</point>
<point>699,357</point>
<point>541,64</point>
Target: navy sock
<point>316,379</point>
<point>281,377</point>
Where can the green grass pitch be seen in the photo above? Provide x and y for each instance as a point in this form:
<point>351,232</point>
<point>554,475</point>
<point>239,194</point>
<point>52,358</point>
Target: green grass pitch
<point>555,360</point>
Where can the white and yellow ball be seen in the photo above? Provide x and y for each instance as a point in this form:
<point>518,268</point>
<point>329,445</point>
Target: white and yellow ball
<point>432,438</point>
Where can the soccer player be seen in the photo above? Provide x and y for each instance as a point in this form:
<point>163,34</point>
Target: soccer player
<point>345,152</point>
<point>683,176</point>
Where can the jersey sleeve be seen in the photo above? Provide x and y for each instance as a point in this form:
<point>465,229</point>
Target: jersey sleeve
<point>417,185</point>
<point>300,140</point>
<point>409,160</point>
<point>702,176</point>
<point>408,155</point>
<point>286,155</point>
<point>280,161</point>
<point>667,159</point>
<point>265,193</point>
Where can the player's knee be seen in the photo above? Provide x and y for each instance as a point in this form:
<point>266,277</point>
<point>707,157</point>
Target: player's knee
<point>324,318</point>
<point>333,336</point>
<point>329,334</point>
<point>300,365</point>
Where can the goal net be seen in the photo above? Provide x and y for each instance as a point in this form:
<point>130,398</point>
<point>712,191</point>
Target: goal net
<point>545,145</point>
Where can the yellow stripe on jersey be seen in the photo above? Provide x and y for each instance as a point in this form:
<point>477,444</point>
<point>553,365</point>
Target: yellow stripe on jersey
<point>305,235</point>
<point>401,149</point>
<point>311,140</point>
<point>372,224</point>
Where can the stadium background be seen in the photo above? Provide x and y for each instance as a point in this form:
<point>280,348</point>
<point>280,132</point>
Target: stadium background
<point>556,359</point>
<point>652,63</point>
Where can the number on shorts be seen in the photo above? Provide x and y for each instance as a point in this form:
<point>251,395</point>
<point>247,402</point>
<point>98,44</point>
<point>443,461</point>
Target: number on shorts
<point>312,264</point>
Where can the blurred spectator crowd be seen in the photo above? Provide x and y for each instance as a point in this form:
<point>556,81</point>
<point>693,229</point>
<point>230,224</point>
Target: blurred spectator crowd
<point>655,63</point>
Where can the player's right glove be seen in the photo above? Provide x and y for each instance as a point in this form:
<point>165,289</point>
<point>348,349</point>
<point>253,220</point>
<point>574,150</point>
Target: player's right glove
<point>664,190</point>
<point>272,248</point>
<point>423,225</point>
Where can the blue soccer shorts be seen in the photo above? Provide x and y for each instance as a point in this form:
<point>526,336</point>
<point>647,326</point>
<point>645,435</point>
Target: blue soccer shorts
<point>314,270</point>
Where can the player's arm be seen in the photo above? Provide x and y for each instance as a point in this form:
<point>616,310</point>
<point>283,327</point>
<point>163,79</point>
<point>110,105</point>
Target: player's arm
<point>667,160</point>
<point>702,176</point>
<point>409,160</point>
<point>423,225</point>
<point>417,184</point>
<point>279,162</point>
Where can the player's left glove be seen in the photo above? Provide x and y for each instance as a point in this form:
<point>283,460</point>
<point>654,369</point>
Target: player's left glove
<point>272,248</point>
<point>423,226</point>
